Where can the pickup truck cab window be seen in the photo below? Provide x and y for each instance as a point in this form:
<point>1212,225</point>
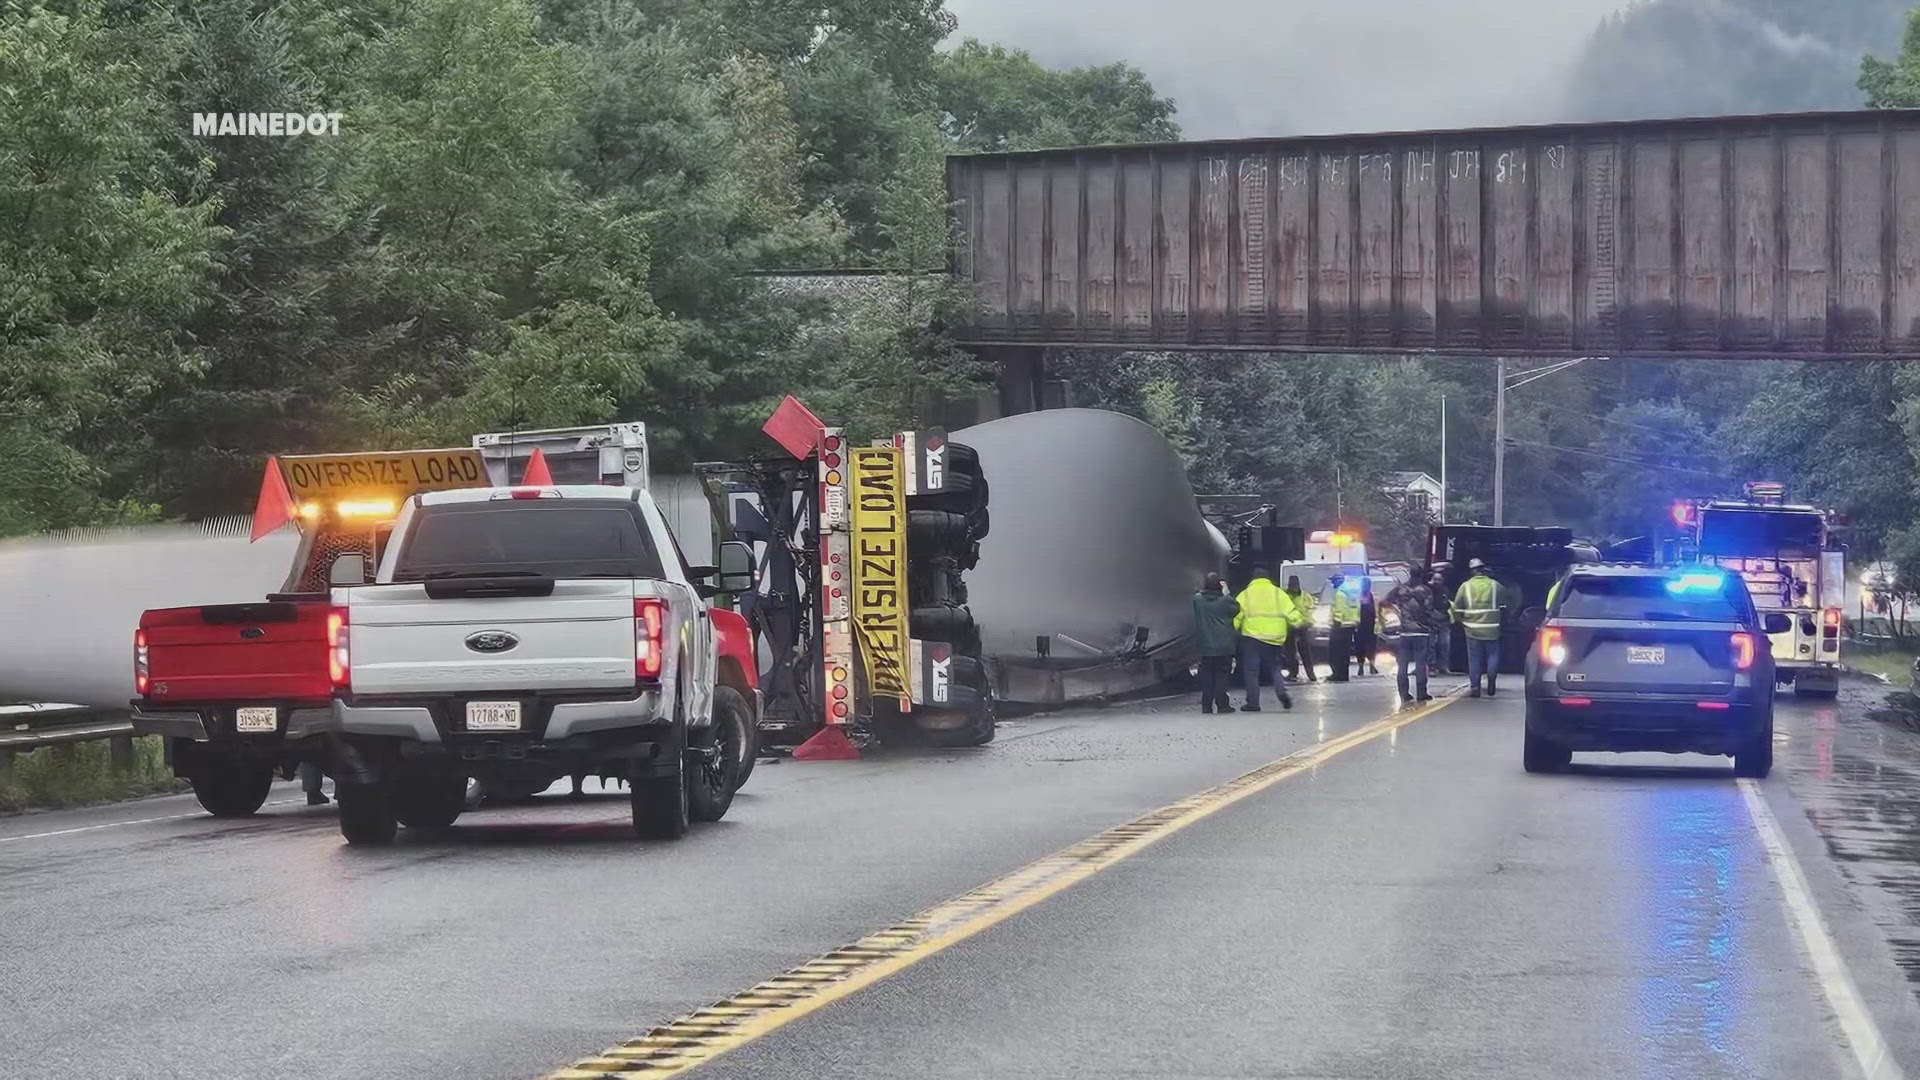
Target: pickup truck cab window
<point>559,538</point>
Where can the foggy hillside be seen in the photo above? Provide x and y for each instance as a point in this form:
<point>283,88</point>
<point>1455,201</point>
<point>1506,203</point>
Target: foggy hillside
<point>1243,68</point>
<point>1281,67</point>
<point>1717,57</point>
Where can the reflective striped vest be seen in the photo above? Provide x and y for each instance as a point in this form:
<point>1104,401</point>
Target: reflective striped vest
<point>1477,607</point>
<point>1265,611</point>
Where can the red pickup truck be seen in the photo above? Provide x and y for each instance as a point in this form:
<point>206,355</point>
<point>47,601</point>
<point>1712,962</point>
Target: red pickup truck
<point>241,691</point>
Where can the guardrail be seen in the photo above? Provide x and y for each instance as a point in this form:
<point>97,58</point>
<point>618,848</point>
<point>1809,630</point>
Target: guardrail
<point>31,730</point>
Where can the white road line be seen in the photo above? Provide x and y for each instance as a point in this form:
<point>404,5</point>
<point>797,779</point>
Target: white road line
<point>1862,1035</point>
<point>117,824</point>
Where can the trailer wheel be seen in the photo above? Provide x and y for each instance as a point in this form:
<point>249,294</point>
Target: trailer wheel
<point>231,789</point>
<point>937,532</point>
<point>950,623</point>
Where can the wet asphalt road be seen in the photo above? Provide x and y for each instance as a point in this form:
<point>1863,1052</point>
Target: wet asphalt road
<point>1415,907</point>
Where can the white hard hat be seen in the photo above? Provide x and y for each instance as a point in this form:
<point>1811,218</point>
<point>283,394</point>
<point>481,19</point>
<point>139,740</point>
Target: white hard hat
<point>1476,564</point>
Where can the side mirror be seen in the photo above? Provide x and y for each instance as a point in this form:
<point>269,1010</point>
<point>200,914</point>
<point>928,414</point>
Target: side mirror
<point>736,568</point>
<point>347,568</point>
<point>1777,623</point>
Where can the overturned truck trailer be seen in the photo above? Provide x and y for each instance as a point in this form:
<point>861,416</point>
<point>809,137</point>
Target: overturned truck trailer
<point>1085,583</point>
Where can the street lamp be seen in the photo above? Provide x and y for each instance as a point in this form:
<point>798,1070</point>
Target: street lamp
<point>1503,384</point>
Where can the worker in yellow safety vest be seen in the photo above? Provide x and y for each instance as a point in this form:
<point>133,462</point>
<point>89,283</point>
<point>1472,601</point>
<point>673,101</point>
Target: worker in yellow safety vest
<point>1267,615</point>
<point>1344,605</point>
<point>1478,608</point>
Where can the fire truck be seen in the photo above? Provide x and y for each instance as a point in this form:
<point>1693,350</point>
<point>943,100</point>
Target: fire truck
<point>1793,561</point>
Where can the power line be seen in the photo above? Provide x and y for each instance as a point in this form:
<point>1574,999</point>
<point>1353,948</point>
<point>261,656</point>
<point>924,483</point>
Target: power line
<point>1641,462</point>
<point>1564,411</point>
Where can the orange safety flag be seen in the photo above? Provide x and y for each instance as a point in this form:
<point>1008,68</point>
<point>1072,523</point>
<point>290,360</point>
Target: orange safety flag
<point>538,475</point>
<point>275,506</point>
<point>795,428</point>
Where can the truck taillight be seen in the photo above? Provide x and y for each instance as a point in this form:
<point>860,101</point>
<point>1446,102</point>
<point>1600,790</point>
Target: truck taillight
<point>649,638</point>
<point>1744,651</point>
<point>142,675</point>
<point>1553,646</point>
<point>339,650</point>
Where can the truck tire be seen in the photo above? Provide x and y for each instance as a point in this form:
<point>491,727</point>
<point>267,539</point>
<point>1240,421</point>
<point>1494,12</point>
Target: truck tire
<point>963,495</point>
<point>431,800</point>
<point>366,813</point>
<point>946,622</point>
<point>233,789</point>
<point>937,532</point>
<point>713,778</point>
<point>660,802</point>
<point>750,749</point>
<point>962,458</point>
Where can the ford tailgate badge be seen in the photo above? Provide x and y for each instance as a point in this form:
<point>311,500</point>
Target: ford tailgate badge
<point>491,641</point>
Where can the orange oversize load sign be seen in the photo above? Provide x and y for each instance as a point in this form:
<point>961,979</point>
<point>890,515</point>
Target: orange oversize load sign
<point>880,569</point>
<point>396,473</point>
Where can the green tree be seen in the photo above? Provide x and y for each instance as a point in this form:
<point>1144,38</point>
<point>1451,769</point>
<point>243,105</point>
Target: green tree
<point>996,98</point>
<point>1895,84</point>
<point>98,262</point>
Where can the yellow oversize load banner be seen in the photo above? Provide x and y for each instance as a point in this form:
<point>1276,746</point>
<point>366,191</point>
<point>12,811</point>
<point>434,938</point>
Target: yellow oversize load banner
<point>397,473</point>
<point>880,569</point>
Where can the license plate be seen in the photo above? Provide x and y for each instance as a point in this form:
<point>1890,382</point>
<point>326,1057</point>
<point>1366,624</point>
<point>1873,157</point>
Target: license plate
<point>256,718</point>
<point>493,716</point>
<point>1646,654</point>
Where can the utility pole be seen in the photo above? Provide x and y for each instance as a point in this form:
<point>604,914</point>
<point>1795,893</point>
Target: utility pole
<point>1500,444</point>
<point>1520,378</point>
<point>1443,459</point>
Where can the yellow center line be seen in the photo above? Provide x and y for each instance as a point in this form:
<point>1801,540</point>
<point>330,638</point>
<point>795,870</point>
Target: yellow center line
<point>706,1033</point>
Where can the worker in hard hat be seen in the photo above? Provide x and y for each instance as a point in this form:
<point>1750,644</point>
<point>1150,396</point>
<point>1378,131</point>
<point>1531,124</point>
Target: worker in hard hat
<point>1344,607</point>
<point>1266,618</point>
<point>1298,651</point>
<point>1477,607</point>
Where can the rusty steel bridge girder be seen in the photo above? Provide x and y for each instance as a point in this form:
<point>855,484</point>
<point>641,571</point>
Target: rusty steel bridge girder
<point>1792,236</point>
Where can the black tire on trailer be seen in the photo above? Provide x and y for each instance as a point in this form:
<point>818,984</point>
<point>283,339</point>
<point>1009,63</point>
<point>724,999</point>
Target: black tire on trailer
<point>429,800</point>
<point>961,495</point>
<point>659,803</point>
<point>969,671</point>
<point>937,532</point>
<point>366,813</point>
<point>712,778</point>
<point>950,623</point>
<point>962,458</point>
<point>232,789</point>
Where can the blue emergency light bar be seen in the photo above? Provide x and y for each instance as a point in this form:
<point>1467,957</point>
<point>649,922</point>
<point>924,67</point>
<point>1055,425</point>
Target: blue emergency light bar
<point>1697,582</point>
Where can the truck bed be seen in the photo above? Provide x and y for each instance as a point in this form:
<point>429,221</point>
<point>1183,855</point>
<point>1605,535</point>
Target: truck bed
<point>267,652</point>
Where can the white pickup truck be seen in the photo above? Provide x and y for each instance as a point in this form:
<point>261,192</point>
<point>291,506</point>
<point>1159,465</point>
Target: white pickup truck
<point>519,635</point>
